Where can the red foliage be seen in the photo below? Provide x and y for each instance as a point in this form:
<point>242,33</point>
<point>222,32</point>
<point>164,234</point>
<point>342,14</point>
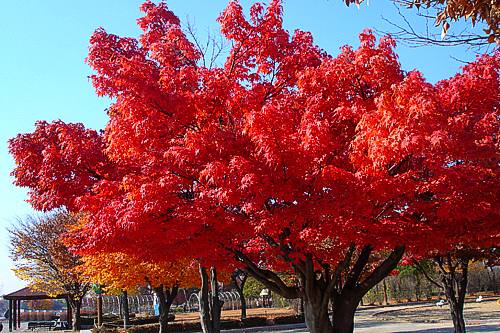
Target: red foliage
<point>283,144</point>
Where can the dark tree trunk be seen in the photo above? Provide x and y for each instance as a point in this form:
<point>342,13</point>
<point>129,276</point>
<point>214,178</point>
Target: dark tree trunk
<point>243,303</point>
<point>76,320</point>
<point>343,312</point>
<point>457,315</point>
<point>318,287</point>
<point>204,307</point>
<point>417,286</point>
<point>453,278</point>
<point>99,310</point>
<point>384,289</point>
<point>346,299</point>
<point>400,292</point>
<point>316,312</point>
<point>216,303</point>
<point>210,304</point>
<point>125,309</point>
<point>454,285</point>
<point>165,299</point>
<point>493,280</point>
<point>239,278</point>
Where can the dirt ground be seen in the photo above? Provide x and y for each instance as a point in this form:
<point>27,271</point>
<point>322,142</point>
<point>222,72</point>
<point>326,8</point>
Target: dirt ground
<point>235,314</point>
<point>486,310</point>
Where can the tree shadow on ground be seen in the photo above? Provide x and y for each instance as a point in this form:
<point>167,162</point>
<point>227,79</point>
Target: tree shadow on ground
<point>471,329</point>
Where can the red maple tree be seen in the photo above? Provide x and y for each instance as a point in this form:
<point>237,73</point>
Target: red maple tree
<point>441,143</point>
<point>284,158</point>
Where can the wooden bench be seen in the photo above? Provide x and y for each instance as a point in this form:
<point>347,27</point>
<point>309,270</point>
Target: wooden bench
<point>50,324</point>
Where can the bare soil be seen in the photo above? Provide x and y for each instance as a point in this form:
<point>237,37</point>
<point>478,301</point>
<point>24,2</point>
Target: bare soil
<point>235,314</point>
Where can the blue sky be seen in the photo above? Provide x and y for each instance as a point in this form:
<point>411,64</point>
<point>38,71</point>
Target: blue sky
<point>43,74</point>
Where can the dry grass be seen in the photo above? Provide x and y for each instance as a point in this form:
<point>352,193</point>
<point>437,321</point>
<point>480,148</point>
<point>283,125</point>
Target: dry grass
<point>235,314</point>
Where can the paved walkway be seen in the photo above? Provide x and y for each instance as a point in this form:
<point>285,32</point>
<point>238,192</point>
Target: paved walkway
<point>367,321</point>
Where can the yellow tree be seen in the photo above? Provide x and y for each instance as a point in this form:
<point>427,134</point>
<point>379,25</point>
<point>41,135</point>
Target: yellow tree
<point>45,262</point>
<point>123,272</point>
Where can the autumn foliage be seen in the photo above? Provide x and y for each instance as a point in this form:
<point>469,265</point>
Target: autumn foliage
<point>284,158</point>
<point>117,271</point>
<point>43,259</point>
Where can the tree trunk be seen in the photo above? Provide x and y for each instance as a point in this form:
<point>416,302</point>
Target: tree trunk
<point>210,304</point>
<point>126,313</point>
<point>316,312</point>
<point>165,299</point>
<point>343,313</point>
<point>318,287</point>
<point>457,316</point>
<point>99,311</point>
<point>417,286</point>
<point>243,303</point>
<point>454,284</point>
<point>493,281</point>
<point>239,278</point>
<point>216,303</point>
<point>204,307</point>
<point>384,289</point>
<point>76,320</point>
<point>346,299</point>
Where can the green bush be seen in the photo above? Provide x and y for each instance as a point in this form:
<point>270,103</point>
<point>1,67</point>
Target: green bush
<point>192,327</point>
<point>295,319</point>
<point>254,321</point>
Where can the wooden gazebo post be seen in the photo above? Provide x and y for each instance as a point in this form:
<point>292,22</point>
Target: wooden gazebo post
<point>19,314</point>
<point>14,313</point>
<point>10,315</point>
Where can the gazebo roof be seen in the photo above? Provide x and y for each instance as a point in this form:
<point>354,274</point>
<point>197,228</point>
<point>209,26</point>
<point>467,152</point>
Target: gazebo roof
<point>27,293</point>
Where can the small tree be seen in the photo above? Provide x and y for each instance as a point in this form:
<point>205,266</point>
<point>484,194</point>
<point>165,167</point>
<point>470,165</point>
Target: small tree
<point>239,279</point>
<point>42,259</point>
<point>120,271</point>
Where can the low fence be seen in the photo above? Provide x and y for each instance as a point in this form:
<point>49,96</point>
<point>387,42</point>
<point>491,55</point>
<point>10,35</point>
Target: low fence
<point>394,289</point>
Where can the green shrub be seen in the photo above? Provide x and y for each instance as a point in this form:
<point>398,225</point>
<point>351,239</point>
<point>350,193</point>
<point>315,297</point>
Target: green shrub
<point>196,326</point>
<point>254,321</point>
<point>294,319</point>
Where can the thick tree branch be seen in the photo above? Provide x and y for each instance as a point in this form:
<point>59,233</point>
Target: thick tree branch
<point>360,264</point>
<point>267,277</point>
<point>426,275</point>
<point>383,269</point>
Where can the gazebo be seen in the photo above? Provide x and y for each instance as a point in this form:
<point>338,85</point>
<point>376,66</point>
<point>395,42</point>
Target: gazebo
<point>27,294</point>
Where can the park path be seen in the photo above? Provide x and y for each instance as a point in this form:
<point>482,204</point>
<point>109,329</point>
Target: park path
<point>367,322</point>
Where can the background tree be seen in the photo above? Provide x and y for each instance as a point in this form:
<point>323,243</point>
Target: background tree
<point>45,262</point>
<point>450,273</point>
<point>418,270</point>
<point>239,278</point>
<point>118,271</point>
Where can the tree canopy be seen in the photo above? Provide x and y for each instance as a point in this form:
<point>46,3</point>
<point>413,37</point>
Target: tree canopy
<point>283,159</point>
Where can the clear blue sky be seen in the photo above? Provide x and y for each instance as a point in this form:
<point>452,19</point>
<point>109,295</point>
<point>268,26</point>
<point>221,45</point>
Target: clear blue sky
<point>43,74</point>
